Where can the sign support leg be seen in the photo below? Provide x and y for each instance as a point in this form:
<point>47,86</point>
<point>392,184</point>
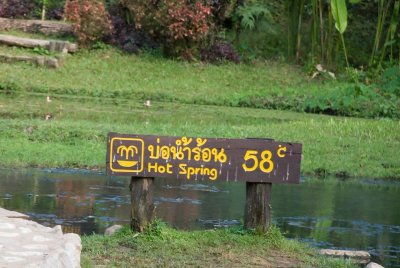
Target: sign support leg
<point>257,210</point>
<point>142,207</point>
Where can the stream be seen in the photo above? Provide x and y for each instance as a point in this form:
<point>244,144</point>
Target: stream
<point>324,213</point>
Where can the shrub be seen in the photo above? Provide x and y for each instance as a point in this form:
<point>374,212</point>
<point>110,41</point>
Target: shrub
<point>218,52</point>
<point>90,20</point>
<point>17,9</point>
<point>179,25</point>
<point>55,13</point>
<point>390,81</point>
<point>125,35</point>
<point>55,9</point>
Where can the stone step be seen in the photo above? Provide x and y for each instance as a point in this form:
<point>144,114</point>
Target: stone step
<point>36,26</point>
<point>51,45</point>
<point>49,62</point>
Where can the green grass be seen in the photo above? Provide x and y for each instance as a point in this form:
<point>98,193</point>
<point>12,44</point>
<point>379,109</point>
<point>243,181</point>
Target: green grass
<point>76,134</point>
<point>109,73</point>
<point>167,247</point>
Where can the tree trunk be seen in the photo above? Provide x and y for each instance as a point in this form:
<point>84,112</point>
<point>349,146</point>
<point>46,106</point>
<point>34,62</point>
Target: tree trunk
<point>142,207</point>
<point>257,211</point>
<point>300,19</point>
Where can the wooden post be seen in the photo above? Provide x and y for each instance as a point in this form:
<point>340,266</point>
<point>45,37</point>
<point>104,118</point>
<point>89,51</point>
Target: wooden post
<point>257,211</point>
<point>142,207</point>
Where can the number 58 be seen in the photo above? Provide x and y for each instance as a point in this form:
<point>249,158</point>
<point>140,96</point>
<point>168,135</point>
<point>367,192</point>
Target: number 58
<point>265,160</point>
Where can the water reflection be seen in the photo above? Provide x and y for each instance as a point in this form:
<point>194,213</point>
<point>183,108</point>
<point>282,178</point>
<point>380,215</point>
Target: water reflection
<point>326,214</point>
<point>343,215</point>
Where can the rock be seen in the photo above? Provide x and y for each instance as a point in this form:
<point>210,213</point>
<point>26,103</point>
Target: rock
<point>68,256</point>
<point>362,257</point>
<point>12,214</point>
<point>52,63</point>
<point>25,243</point>
<point>112,230</point>
<point>40,60</point>
<point>57,229</point>
<point>373,265</point>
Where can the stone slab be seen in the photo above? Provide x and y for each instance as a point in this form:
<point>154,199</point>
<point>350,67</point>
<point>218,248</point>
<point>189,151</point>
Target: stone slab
<point>34,26</point>
<point>373,265</point>
<point>24,243</point>
<point>12,214</point>
<point>51,45</point>
<point>362,257</point>
<point>49,62</point>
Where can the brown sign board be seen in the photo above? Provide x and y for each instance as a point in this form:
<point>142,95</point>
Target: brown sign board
<point>254,160</point>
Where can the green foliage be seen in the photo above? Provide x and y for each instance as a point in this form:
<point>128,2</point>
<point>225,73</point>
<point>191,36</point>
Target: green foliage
<point>390,81</point>
<point>359,100</point>
<point>339,12</point>
<point>391,38</point>
<point>249,14</point>
<point>100,45</point>
<point>41,51</point>
<point>300,30</point>
<point>275,237</point>
<point>257,30</point>
<point>155,229</point>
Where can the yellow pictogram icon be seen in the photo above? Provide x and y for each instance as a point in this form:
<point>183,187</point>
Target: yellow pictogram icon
<point>126,154</point>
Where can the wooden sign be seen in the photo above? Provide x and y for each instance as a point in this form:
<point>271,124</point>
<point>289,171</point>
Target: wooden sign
<point>252,160</point>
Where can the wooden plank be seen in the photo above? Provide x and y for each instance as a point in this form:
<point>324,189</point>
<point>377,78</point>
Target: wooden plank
<point>256,160</point>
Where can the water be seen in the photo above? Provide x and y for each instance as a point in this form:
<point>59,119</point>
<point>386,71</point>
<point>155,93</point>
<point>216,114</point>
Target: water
<point>329,214</point>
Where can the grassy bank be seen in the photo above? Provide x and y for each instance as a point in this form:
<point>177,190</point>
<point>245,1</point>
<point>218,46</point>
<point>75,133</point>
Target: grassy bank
<point>109,73</point>
<point>75,136</point>
<point>161,246</point>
